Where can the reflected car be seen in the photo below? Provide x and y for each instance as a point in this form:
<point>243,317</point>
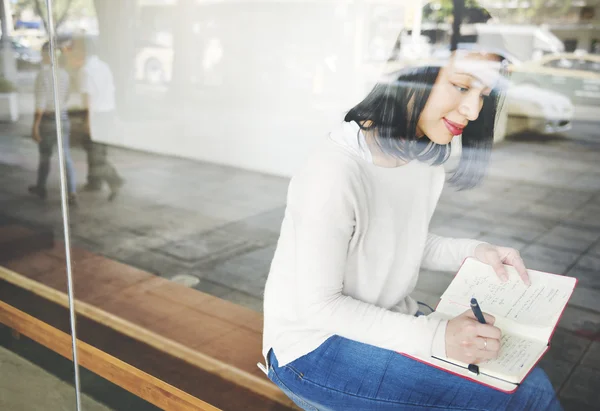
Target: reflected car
<point>534,109</point>
<point>574,75</point>
<point>25,57</point>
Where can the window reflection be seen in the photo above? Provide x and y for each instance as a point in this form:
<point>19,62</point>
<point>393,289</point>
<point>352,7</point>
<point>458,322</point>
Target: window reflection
<point>190,117</point>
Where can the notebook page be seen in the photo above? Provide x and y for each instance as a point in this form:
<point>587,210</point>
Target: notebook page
<point>517,355</point>
<point>538,305</point>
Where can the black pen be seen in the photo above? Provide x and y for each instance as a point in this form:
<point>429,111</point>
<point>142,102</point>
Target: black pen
<point>479,315</point>
<point>477,311</point>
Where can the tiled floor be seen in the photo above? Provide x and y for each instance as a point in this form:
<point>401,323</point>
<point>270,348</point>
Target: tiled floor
<point>178,217</point>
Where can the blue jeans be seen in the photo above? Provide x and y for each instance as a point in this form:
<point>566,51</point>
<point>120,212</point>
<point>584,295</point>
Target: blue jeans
<point>46,147</point>
<point>346,375</point>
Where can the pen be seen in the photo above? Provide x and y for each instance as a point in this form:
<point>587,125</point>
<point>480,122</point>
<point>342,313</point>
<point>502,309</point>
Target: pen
<point>477,311</point>
<point>479,315</point>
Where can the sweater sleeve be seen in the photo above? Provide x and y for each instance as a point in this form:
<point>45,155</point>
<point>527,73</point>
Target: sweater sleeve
<point>447,254</point>
<point>321,208</point>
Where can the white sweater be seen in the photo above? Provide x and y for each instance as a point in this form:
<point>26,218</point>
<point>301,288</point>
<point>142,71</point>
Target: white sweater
<point>353,239</point>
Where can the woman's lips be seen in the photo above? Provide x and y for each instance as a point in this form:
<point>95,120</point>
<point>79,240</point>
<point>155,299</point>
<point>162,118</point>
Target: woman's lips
<point>453,127</point>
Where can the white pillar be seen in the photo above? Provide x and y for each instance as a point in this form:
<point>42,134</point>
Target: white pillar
<point>417,20</point>
<point>9,67</point>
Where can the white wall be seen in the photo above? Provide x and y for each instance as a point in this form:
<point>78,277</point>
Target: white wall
<point>277,77</point>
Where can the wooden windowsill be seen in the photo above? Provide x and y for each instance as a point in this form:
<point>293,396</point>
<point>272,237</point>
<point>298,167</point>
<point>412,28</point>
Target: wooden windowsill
<point>211,334</point>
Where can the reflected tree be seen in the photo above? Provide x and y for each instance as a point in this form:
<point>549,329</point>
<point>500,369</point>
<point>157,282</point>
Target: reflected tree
<point>478,11</point>
<point>443,11</point>
<point>458,14</point>
<point>542,10</point>
<point>534,11</point>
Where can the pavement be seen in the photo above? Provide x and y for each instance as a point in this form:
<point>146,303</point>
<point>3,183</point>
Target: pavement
<point>214,228</point>
<point>21,379</point>
<point>35,378</point>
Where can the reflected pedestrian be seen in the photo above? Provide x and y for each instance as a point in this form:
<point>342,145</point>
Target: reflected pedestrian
<point>98,95</point>
<point>44,131</point>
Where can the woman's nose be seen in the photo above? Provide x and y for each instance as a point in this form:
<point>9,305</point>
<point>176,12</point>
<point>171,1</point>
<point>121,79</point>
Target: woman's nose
<point>470,106</point>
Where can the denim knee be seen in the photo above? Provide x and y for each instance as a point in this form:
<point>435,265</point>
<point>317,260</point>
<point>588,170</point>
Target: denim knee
<point>538,392</point>
<point>539,379</point>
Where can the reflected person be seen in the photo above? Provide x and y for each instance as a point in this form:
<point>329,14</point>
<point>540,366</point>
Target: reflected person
<point>44,131</point>
<point>337,305</point>
<point>96,85</point>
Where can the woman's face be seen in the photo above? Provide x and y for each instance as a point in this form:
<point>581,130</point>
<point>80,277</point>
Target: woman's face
<point>457,96</point>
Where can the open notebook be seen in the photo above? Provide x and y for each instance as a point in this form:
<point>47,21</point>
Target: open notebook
<point>527,317</point>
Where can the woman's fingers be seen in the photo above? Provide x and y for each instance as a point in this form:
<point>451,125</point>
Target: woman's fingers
<point>482,344</point>
<point>468,340</point>
<point>497,256</point>
<point>514,259</point>
<point>483,349</point>
<point>482,356</point>
<point>495,261</point>
<point>487,331</point>
<point>489,318</point>
<point>488,344</point>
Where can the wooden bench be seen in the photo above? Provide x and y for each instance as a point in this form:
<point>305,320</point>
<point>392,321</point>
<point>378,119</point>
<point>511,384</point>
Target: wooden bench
<point>176,347</point>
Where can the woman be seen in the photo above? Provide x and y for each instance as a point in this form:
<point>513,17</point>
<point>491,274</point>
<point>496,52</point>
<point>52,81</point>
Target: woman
<point>355,234</point>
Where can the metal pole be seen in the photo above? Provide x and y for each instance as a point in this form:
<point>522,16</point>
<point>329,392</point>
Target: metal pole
<point>64,200</point>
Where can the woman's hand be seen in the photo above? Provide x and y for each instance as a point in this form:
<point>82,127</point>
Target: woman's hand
<point>497,256</point>
<point>469,341</point>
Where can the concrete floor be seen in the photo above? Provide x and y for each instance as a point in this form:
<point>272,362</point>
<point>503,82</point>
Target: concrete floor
<point>26,387</point>
<point>33,378</point>
<point>215,228</point>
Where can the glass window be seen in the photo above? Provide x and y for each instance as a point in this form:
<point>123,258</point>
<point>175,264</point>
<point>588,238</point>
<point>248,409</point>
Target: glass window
<point>197,194</point>
<point>35,322</point>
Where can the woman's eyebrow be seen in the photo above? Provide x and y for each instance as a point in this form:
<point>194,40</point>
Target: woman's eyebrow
<point>460,73</point>
<point>474,77</point>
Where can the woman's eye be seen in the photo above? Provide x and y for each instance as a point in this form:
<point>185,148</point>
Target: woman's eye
<point>461,88</point>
